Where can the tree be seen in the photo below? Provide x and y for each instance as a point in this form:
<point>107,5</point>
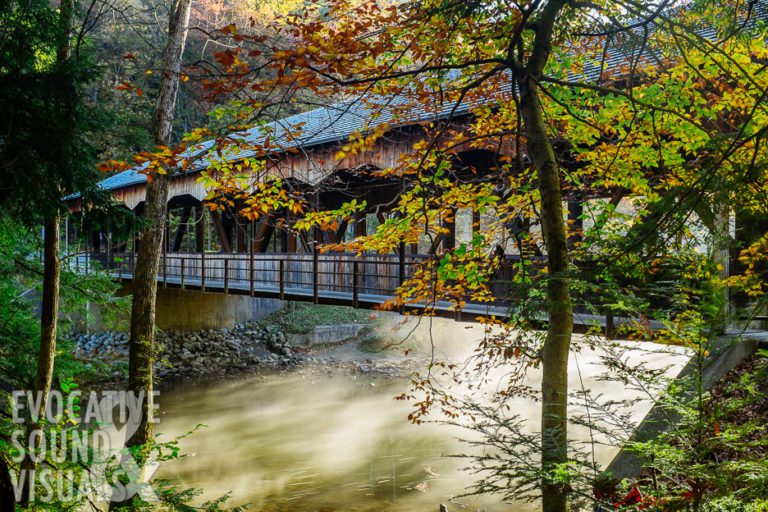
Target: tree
<point>49,312</point>
<point>141,358</point>
<point>42,82</point>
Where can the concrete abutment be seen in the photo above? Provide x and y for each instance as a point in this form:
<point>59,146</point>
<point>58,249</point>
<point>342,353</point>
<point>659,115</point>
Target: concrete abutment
<point>193,310</point>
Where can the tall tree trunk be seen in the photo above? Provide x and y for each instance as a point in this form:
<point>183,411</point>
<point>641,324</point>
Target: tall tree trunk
<point>48,326</point>
<point>554,353</point>
<point>49,308</point>
<point>140,373</point>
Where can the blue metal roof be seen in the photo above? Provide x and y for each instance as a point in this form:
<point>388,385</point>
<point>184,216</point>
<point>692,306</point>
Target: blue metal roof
<point>319,126</point>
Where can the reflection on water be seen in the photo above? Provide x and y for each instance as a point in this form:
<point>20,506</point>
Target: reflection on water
<point>300,444</point>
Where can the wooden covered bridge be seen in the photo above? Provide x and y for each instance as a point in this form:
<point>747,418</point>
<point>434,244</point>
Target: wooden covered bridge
<point>222,251</point>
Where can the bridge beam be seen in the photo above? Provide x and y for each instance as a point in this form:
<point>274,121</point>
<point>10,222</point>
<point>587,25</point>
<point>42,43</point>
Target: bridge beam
<point>224,239</point>
<point>199,228</point>
<point>361,224</point>
<point>178,237</point>
<point>264,231</point>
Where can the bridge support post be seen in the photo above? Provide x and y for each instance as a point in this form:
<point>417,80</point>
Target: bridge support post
<point>291,241</point>
<point>108,246</point>
<point>167,230</point>
<point>181,231</point>
<point>226,276</point>
<point>240,231</point>
<point>202,260</point>
<point>355,274</point>
<point>316,267</point>
<point>200,228</point>
<point>281,277</point>
<point>449,240</point>
<point>724,237</point>
<point>165,266</point>
<point>610,326</point>
<point>252,270</point>
<point>361,225</point>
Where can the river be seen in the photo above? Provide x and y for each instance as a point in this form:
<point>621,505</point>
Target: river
<point>299,443</point>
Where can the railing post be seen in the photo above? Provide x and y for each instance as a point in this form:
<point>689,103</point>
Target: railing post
<point>202,269</point>
<point>165,266</point>
<point>315,270</point>
<point>182,272</point>
<point>252,270</point>
<point>401,264</point>
<point>108,250</point>
<point>281,277</point>
<point>226,275</point>
<point>355,293</point>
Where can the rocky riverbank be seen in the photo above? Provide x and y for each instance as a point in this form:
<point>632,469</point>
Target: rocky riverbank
<point>216,353</point>
<point>246,348</point>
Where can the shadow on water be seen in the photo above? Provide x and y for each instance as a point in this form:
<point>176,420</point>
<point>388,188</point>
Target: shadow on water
<point>291,443</point>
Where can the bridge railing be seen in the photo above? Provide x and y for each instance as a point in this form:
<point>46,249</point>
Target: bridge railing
<point>343,273</point>
<point>352,276</point>
<point>343,278</point>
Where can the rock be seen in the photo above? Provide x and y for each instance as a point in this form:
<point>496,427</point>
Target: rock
<point>210,351</point>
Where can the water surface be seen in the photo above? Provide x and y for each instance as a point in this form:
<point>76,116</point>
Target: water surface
<point>291,442</point>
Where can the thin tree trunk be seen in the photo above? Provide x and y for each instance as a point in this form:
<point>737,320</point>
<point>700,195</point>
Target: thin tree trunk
<point>554,353</point>
<point>49,310</point>
<point>48,325</point>
<point>140,372</point>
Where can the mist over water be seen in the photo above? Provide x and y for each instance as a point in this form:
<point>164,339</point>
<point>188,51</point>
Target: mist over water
<point>297,442</point>
<point>327,444</point>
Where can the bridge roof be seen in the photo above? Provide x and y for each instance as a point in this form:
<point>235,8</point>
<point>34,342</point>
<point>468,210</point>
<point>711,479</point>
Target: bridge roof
<point>320,126</point>
<point>338,122</point>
